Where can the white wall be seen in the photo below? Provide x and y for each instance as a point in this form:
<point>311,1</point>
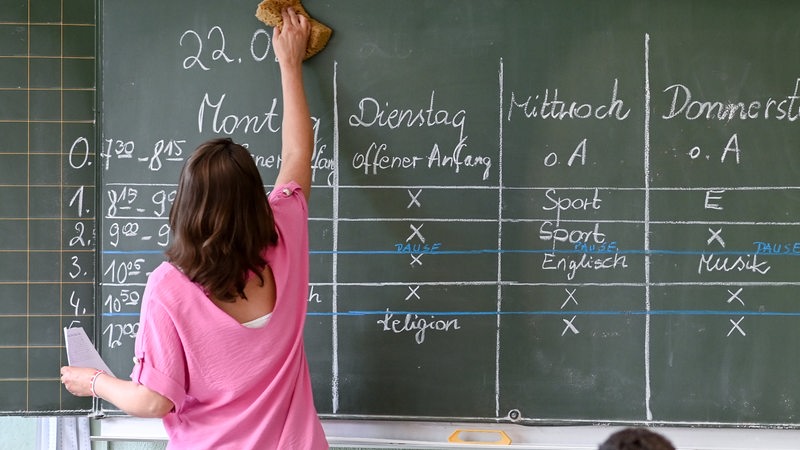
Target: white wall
<point>18,433</point>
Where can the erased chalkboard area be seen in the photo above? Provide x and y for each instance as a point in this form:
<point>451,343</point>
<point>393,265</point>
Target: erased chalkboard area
<point>544,212</point>
<point>47,192</point>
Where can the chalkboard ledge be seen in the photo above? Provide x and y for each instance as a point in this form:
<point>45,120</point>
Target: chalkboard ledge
<point>412,434</point>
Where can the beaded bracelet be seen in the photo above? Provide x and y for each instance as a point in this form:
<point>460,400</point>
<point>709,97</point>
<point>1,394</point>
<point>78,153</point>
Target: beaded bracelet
<point>94,379</point>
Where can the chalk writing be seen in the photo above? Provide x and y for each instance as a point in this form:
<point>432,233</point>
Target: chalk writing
<point>456,160</point>
<point>412,323</point>
<point>417,248</point>
<point>222,123</point>
<point>570,265</point>
<point>682,105</point>
<point>714,263</point>
<point>492,197</point>
<point>777,248</point>
<point>169,150</point>
<point>547,105</point>
<point>116,148</point>
<point>548,232</point>
<point>214,40</point>
<point>116,333</point>
<point>559,203</point>
<point>371,113</point>
<point>126,297</point>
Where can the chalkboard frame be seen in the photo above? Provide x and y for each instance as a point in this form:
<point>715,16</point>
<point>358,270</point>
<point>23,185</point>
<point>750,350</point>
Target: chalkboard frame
<point>656,318</point>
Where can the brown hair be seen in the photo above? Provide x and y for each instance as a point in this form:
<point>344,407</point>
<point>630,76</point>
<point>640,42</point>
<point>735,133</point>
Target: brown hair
<point>220,220</point>
<point>636,439</point>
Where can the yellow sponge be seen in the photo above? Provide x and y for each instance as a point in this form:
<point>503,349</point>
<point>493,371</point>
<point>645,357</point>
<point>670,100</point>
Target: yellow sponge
<point>269,12</point>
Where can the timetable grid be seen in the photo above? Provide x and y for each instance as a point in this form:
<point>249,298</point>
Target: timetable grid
<point>514,232</point>
<point>47,248</point>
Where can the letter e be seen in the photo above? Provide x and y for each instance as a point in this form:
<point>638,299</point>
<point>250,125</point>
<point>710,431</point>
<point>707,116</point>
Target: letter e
<point>713,195</point>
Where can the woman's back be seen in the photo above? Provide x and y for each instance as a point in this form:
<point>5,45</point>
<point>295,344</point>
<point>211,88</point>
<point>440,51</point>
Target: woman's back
<point>259,301</point>
<point>236,377</point>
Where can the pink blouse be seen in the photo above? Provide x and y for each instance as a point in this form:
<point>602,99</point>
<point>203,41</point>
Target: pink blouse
<point>234,387</point>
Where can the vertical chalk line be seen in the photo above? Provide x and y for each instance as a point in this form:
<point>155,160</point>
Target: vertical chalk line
<point>334,262</point>
<point>28,223</point>
<point>499,239</point>
<point>61,184</point>
<point>647,224</point>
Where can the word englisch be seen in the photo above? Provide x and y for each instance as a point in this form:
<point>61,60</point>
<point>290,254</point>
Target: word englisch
<point>570,265</point>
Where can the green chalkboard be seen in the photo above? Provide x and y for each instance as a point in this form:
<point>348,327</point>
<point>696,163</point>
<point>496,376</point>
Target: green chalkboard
<point>528,211</point>
<point>47,193</point>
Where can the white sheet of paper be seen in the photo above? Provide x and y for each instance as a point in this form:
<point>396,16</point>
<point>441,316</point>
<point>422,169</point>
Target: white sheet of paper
<point>81,352</point>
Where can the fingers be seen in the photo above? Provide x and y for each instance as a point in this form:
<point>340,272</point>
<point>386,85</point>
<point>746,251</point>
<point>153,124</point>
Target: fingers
<point>291,37</point>
<point>65,379</point>
<point>293,18</point>
<point>76,380</point>
<point>290,16</point>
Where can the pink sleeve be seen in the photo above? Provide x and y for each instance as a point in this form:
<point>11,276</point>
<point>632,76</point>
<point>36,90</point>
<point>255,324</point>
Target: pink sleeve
<point>289,208</point>
<point>160,363</point>
<point>285,192</point>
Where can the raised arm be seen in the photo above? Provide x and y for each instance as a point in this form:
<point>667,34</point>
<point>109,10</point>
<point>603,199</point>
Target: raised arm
<point>297,137</point>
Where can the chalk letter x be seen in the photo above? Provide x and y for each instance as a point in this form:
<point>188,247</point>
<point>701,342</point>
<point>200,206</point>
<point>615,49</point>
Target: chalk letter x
<point>735,296</point>
<point>736,326</point>
<point>414,199</point>
<point>570,296</point>
<point>413,292</point>
<point>415,232</point>
<point>715,236</point>
<point>570,326</point>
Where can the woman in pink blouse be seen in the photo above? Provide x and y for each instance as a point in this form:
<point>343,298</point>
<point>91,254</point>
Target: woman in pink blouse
<point>219,355</point>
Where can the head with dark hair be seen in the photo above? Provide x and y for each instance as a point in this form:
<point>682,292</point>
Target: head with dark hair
<point>636,439</point>
<point>220,220</point>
